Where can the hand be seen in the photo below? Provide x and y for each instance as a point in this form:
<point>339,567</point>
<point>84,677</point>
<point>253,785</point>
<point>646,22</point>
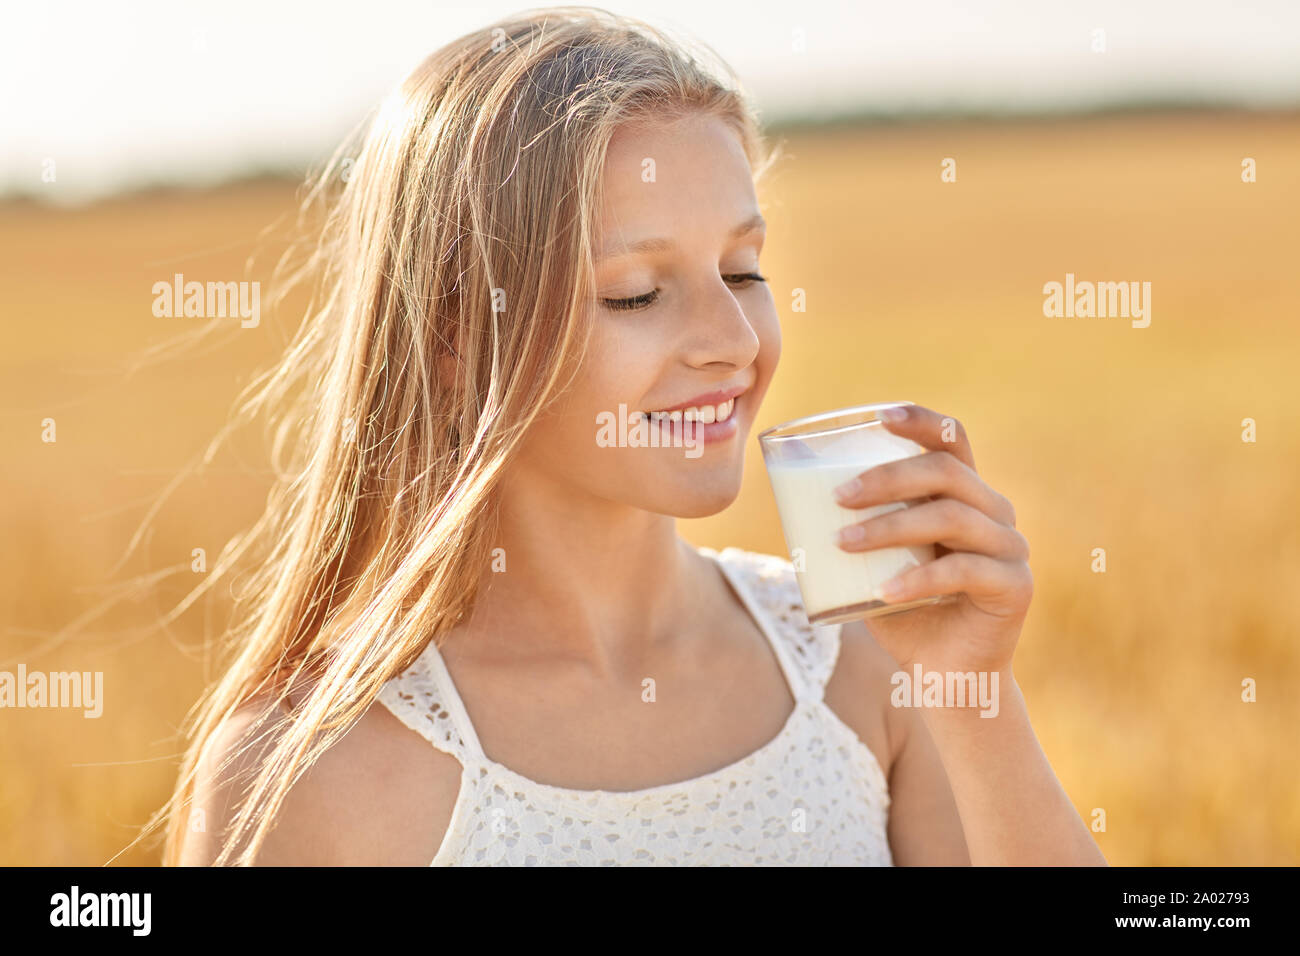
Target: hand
<point>980,556</point>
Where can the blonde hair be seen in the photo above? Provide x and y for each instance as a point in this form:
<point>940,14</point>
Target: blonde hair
<point>407,388</point>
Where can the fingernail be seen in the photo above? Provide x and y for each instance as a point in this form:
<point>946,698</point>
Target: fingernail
<point>892,588</point>
<point>895,413</point>
<point>848,489</point>
<point>853,532</point>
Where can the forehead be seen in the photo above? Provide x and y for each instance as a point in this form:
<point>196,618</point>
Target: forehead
<point>662,177</point>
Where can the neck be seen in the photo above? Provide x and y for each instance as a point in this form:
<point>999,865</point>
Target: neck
<point>585,578</point>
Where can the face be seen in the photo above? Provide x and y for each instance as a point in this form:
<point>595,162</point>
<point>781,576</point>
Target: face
<point>684,333</point>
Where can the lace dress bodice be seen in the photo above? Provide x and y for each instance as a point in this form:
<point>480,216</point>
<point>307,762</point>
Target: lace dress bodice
<point>813,795</point>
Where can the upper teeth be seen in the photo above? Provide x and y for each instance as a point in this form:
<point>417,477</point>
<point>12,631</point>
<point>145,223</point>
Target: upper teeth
<point>705,414</point>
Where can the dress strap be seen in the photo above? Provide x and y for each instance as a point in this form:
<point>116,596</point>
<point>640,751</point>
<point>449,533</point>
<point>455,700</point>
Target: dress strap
<point>424,698</point>
<point>768,587</point>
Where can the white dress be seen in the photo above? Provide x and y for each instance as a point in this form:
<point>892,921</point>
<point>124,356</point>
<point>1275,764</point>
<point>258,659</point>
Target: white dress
<point>812,795</point>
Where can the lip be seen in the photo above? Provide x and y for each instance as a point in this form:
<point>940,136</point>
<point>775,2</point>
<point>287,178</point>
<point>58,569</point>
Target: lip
<point>715,397</point>
<point>678,432</point>
<point>711,433</point>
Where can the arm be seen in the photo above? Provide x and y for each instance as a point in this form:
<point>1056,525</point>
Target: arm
<point>925,827</point>
<point>1013,809</point>
<point>963,788</point>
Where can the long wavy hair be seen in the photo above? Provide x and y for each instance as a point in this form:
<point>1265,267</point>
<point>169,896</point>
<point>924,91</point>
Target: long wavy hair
<point>450,263</point>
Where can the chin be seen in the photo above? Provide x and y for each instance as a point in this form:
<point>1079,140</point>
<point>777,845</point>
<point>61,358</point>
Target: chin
<point>699,493</point>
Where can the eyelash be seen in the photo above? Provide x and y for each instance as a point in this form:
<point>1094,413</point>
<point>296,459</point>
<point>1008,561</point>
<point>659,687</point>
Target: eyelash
<point>641,301</point>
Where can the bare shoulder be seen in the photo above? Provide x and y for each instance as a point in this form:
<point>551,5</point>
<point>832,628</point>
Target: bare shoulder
<point>379,796</point>
<point>858,691</point>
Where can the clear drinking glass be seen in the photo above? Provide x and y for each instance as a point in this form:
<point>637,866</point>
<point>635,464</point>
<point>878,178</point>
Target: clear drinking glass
<point>806,459</point>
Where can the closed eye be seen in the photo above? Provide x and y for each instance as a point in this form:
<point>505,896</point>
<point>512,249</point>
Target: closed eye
<point>741,279</point>
<point>635,302</point>
<point>744,279</point>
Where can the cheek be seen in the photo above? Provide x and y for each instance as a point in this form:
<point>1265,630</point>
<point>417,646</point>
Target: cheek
<point>625,362</point>
<point>562,441</point>
<point>768,329</point>
<point>616,367</point>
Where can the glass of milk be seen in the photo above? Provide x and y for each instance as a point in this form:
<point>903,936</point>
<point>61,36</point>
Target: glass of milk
<point>806,459</point>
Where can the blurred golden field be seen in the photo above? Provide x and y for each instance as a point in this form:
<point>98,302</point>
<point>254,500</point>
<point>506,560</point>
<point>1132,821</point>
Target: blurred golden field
<point>1104,436</point>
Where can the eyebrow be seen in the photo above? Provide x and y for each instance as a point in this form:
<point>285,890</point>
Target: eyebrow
<point>754,223</point>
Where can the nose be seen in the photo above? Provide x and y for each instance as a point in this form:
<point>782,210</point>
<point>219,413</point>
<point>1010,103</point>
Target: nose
<point>718,334</point>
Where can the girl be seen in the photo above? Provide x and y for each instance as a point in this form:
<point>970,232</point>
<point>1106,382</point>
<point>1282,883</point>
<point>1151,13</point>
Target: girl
<point>476,637</point>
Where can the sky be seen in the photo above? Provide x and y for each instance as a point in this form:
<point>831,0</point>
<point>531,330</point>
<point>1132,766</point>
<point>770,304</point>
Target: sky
<point>123,95</point>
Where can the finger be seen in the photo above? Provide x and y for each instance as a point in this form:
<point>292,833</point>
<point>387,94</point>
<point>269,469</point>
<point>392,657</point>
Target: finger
<point>991,584</point>
<point>953,524</point>
<point>931,473</point>
<point>932,430</point>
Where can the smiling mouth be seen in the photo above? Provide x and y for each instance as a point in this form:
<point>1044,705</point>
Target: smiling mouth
<point>704,414</point>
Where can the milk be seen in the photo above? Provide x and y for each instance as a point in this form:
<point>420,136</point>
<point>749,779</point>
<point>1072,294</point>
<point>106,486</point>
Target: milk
<point>837,584</point>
